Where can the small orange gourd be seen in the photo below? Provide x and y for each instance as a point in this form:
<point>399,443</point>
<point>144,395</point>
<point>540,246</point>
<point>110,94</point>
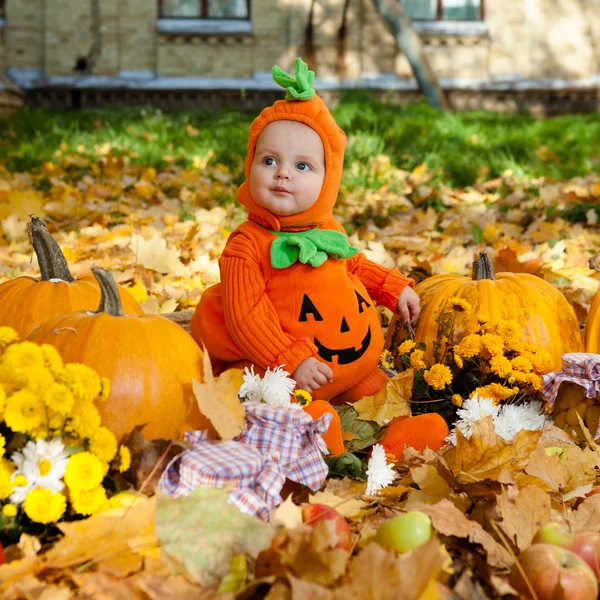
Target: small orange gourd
<point>544,314</point>
<point>150,361</point>
<point>27,302</point>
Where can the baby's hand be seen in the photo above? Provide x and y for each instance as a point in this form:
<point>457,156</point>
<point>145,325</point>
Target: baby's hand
<point>311,374</point>
<point>409,304</point>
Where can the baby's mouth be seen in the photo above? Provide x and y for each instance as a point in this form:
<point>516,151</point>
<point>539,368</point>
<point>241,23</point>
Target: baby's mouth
<point>280,190</point>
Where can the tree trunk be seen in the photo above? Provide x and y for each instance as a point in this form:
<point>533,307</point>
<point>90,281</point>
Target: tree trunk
<point>400,24</point>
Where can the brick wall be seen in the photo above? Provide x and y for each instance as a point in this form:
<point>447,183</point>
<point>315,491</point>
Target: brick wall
<point>527,38</point>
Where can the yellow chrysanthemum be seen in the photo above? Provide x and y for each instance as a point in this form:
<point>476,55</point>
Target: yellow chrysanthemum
<point>386,360</point>
<point>85,420</point>
<point>514,346</point>
<point>406,346</point>
<point>542,362</point>
<point>509,330</point>
<point>302,397</point>
<point>2,445</point>
<point>104,389</point>
<point>494,391</point>
<point>82,380</point>
<point>12,378</point>
<point>8,336</point>
<point>457,400</point>
<point>501,366</point>
<point>416,360</point>
<point>493,343</point>
<point>438,376</point>
<point>517,377</point>
<point>42,506</point>
<point>88,502</point>
<point>56,420</point>
<point>24,411</point>
<point>54,362</point>
<point>85,471</point>
<point>458,361</point>
<point>6,485</point>
<point>59,398</point>
<point>23,355</point>
<point>458,305</point>
<point>39,379</point>
<point>9,510</point>
<point>535,381</point>
<point>103,444</point>
<point>2,398</point>
<point>520,363</point>
<point>124,458</point>
<point>469,346</point>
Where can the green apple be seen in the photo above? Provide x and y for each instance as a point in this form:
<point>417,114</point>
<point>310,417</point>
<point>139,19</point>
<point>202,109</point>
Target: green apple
<point>405,532</point>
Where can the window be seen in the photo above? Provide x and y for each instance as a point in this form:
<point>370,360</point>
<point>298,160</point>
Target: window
<point>204,9</point>
<point>445,10</point>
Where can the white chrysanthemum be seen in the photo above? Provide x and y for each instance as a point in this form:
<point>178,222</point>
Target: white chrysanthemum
<point>379,473</point>
<point>513,418</point>
<point>474,409</point>
<point>277,388</point>
<point>251,389</point>
<point>43,463</point>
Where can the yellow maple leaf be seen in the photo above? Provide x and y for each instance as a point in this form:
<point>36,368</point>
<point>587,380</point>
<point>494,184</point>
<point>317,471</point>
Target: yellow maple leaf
<point>391,401</point>
<point>218,399</point>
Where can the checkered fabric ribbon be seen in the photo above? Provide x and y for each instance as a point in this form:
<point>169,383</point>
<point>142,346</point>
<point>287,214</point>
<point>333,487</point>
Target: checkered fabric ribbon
<point>255,480</point>
<point>276,443</point>
<point>291,438</point>
<point>580,368</point>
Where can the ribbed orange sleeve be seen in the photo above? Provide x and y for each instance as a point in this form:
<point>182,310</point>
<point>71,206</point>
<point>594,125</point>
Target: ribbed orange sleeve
<point>384,285</point>
<point>249,314</point>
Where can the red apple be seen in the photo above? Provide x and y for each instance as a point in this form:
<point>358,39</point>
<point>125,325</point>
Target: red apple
<point>556,534</point>
<point>587,546</point>
<point>549,568</point>
<point>311,513</point>
<point>2,555</point>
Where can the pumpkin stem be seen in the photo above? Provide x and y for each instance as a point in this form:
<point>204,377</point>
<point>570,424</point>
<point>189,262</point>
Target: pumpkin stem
<point>53,264</point>
<point>110,301</point>
<point>483,267</point>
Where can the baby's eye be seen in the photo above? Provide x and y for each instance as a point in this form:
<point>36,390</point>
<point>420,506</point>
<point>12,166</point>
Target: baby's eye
<point>302,166</point>
<point>269,161</point>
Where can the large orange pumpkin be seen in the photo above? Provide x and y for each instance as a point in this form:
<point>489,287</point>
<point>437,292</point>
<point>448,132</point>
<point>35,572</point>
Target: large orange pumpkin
<point>27,302</point>
<point>543,313</point>
<point>150,361</point>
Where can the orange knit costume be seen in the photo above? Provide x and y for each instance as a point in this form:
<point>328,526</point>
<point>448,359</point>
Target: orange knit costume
<point>267,315</point>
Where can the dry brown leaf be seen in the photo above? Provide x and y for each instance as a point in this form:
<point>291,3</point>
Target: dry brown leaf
<point>116,544</point>
<point>218,400</point>
<point>306,552</point>
<point>449,521</point>
<point>507,261</point>
<point>587,515</point>
<point>391,401</point>
<point>287,514</point>
<point>523,517</point>
<point>348,436</point>
<point>347,507</point>
<point>485,454</point>
<point>153,254</point>
<point>379,574</point>
<point>549,469</point>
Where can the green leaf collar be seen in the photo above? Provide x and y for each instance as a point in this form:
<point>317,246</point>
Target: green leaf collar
<point>311,247</point>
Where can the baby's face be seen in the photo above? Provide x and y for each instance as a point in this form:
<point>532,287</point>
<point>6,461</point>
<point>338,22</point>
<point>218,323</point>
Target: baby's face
<point>288,168</point>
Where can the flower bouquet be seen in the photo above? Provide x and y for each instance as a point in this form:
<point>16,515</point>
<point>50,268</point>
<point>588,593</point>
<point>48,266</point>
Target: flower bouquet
<point>478,360</point>
<point>54,452</point>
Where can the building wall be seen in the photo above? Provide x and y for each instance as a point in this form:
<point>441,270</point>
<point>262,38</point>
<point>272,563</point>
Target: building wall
<point>525,38</point>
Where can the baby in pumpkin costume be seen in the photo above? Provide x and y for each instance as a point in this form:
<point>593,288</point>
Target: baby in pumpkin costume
<point>293,291</point>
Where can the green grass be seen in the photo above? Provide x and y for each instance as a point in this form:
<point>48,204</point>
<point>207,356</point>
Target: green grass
<point>461,148</point>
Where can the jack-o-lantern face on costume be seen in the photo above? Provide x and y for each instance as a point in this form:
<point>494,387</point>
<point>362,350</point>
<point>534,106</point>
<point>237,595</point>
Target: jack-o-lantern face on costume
<point>347,354</point>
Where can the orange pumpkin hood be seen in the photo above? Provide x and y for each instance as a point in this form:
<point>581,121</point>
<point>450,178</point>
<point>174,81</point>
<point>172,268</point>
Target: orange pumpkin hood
<point>316,115</point>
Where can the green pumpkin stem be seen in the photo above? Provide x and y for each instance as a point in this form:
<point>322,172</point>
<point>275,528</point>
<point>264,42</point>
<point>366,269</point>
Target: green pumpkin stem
<point>53,264</point>
<point>110,301</point>
<point>483,267</point>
